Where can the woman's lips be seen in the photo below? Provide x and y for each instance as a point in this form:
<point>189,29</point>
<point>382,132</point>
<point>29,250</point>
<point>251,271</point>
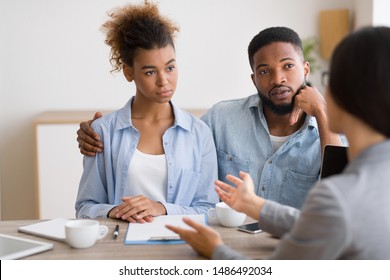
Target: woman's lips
<point>165,93</point>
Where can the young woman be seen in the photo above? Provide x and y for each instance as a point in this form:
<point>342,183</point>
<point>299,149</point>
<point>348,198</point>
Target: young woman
<point>157,159</point>
<point>344,216</point>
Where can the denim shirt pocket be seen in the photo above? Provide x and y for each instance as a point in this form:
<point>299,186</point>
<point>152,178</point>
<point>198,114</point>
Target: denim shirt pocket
<point>230,164</point>
<point>295,188</point>
<point>188,186</point>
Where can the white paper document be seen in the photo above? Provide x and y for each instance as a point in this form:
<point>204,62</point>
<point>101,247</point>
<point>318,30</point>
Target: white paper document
<point>156,232</point>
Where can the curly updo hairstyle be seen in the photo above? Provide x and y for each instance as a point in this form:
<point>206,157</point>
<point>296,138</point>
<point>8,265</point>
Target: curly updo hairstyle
<point>134,27</point>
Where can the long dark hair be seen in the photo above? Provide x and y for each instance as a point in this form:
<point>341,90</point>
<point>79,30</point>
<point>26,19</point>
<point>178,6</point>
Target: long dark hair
<point>359,78</point>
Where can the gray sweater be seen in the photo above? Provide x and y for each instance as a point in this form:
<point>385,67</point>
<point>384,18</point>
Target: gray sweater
<point>345,216</point>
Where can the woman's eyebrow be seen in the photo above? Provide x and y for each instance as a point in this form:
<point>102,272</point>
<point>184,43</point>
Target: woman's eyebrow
<point>154,67</point>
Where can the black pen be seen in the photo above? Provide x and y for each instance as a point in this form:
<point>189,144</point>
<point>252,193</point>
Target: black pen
<point>116,231</point>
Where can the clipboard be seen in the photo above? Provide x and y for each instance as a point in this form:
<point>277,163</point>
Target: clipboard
<point>156,233</point>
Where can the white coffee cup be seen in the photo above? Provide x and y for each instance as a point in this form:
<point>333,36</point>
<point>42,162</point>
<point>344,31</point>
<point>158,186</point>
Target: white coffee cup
<point>226,216</point>
<point>84,233</point>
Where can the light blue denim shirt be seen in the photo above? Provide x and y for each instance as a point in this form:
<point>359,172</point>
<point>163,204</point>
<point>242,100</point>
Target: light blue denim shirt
<point>243,143</point>
<point>191,160</point>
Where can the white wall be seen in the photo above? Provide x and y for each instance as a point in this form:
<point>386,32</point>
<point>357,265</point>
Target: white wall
<point>2,99</point>
<point>52,57</point>
<point>371,12</point>
<point>381,12</point>
<point>363,13</point>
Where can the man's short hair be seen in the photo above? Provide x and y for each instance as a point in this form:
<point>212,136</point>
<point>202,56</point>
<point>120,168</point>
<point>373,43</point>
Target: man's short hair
<point>272,35</point>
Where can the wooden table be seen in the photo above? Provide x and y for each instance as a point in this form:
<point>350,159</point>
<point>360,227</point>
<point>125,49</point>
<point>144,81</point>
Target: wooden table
<point>256,246</point>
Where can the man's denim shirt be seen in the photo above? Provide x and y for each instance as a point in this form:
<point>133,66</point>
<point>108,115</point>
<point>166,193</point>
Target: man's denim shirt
<point>243,143</point>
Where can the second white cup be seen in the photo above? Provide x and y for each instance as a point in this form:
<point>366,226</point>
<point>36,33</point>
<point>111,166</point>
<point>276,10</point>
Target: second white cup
<point>226,216</point>
<point>84,233</point>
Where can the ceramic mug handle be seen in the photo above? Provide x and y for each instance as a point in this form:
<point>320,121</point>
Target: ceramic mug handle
<point>103,230</point>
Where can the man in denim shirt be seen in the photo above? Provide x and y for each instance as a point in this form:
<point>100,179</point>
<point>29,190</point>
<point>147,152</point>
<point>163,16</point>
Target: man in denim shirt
<point>276,135</point>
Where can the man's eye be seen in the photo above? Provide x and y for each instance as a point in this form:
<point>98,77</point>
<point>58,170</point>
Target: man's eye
<point>263,72</point>
<point>171,68</point>
<point>149,73</point>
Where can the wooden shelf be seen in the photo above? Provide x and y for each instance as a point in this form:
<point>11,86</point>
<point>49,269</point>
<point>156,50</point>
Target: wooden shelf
<point>77,116</point>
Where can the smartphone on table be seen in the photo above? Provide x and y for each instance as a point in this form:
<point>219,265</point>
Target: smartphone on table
<point>250,228</point>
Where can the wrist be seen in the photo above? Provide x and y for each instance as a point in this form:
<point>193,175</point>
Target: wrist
<point>111,213</point>
<point>321,116</point>
<point>255,206</point>
<point>161,208</point>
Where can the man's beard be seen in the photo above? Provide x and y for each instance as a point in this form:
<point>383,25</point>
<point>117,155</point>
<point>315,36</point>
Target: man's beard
<point>282,109</point>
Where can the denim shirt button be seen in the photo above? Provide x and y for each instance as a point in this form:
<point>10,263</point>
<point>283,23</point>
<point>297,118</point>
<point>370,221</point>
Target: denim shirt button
<point>263,189</point>
<point>229,158</point>
<point>270,161</point>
